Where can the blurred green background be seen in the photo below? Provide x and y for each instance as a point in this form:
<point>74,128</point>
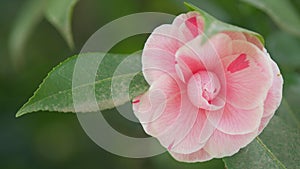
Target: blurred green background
<point>56,140</point>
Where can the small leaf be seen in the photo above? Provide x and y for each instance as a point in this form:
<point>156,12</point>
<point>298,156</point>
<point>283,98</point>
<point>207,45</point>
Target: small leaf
<point>213,26</point>
<point>59,13</point>
<point>277,148</point>
<point>30,15</point>
<point>281,11</point>
<point>55,92</point>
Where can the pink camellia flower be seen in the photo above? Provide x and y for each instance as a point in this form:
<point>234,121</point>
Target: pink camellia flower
<point>208,98</point>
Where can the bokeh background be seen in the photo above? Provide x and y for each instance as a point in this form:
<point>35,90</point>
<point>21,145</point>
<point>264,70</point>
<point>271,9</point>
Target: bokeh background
<point>56,140</point>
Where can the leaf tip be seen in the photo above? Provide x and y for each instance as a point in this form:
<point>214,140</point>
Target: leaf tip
<point>190,6</point>
<point>19,113</point>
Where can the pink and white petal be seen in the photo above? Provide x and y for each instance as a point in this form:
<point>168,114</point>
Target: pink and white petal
<point>221,145</point>
<point>158,108</point>
<point>198,156</point>
<point>182,126</point>
<point>264,122</point>
<point>182,18</point>
<point>274,96</point>
<point>192,26</point>
<point>254,40</point>
<point>165,37</point>
<point>236,35</point>
<point>248,75</point>
<point>192,143</point>
<point>192,57</point>
<point>157,62</point>
<point>166,40</point>
<point>236,121</point>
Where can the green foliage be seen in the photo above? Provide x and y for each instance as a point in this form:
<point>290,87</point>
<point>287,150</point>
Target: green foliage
<point>29,17</point>
<point>282,12</point>
<point>277,147</point>
<point>56,11</point>
<point>59,13</point>
<point>285,50</point>
<point>55,93</point>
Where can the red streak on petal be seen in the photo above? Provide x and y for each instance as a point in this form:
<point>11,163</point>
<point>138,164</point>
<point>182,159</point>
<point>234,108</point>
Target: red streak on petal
<point>170,146</point>
<point>135,101</point>
<point>192,25</point>
<point>238,64</point>
<point>176,62</point>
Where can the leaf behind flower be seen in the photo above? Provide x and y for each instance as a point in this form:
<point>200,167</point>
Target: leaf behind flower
<point>277,148</point>
<point>281,11</point>
<point>55,92</point>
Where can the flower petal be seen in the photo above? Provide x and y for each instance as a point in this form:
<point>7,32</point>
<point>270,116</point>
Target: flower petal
<point>274,96</point>
<point>248,75</point>
<point>264,122</point>
<point>198,156</point>
<point>190,24</point>
<point>254,40</point>
<point>159,108</point>
<point>197,136</point>
<point>236,121</point>
<point>182,18</point>
<point>235,35</point>
<point>182,126</point>
<point>157,62</point>
<point>220,144</point>
<point>166,40</point>
<point>192,57</point>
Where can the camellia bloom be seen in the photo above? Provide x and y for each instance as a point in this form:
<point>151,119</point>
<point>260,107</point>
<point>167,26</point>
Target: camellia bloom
<point>208,97</point>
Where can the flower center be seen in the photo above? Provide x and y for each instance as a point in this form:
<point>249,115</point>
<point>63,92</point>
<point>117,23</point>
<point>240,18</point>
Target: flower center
<point>203,87</point>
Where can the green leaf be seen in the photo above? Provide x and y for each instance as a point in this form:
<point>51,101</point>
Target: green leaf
<point>30,15</point>
<point>281,11</point>
<point>59,13</point>
<point>277,148</point>
<point>55,92</point>
<point>284,48</point>
<point>213,26</point>
<point>285,111</point>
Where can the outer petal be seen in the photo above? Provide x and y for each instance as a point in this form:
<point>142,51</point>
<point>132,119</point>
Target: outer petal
<point>193,57</point>
<point>220,144</point>
<point>197,137</point>
<point>236,35</point>
<point>182,126</point>
<point>169,38</point>
<point>236,121</point>
<point>248,75</point>
<point>254,40</point>
<point>166,41</point>
<point>190,24</point>
<point>157,62</point>
<point>274,96</point>
<point>246,37</point>
<point>198,156</point>
<point>159,108</point>
<point>264,122</point>
<point>182,18</point>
